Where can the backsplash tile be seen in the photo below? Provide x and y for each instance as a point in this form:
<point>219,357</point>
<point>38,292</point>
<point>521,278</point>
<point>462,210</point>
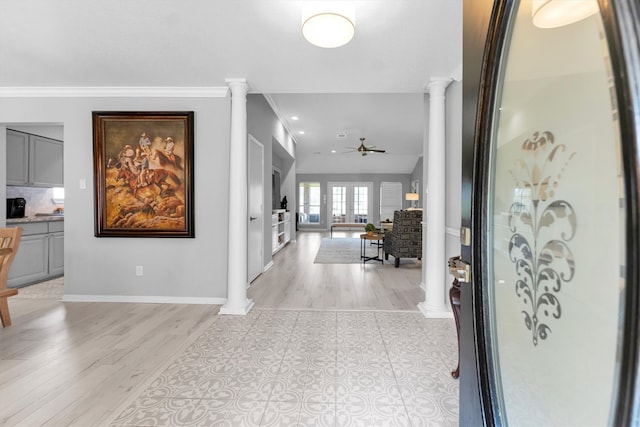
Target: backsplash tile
<point>38,199</point>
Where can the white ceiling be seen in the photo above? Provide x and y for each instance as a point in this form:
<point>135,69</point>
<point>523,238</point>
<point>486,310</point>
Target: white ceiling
<point>372,87</point>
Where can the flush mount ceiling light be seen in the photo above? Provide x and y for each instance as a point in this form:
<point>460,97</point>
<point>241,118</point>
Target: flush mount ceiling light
<point>557,13</point>
<point>328,24</point>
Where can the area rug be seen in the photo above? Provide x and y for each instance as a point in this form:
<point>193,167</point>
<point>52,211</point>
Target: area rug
<point>339,251</point>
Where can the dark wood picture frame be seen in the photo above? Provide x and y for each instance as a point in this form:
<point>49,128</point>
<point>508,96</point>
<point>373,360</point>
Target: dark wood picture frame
<point>143,174</point>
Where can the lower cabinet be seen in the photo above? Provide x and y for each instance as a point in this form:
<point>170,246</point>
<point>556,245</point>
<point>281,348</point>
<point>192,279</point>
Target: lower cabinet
<point>40,255</point>
<point>280,229</point>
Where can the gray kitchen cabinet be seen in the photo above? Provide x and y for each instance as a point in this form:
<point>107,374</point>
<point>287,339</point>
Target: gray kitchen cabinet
<point>34,160</point>
<point>56,249</point>
<point>17,158</point>
<point>40,255</point>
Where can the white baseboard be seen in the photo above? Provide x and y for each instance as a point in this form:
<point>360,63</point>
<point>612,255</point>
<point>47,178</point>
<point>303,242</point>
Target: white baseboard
<point>268,266</point>
<point>435,312</point>
<point>143,299</point>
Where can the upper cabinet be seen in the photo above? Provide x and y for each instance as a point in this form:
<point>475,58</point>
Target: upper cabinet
<point>34,160</point>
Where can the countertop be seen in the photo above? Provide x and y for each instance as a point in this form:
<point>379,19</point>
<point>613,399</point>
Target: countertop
<point>35,219</point>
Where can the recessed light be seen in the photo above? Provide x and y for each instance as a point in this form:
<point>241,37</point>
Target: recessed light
<point>301,132</point>
<point>333,151</point>
<point>294,118</point>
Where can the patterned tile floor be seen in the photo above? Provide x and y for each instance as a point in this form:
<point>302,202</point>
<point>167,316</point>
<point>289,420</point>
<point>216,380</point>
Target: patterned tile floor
<point>308,368</point>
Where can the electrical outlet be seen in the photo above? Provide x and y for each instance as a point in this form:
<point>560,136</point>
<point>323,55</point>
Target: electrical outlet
<point>139,270</point>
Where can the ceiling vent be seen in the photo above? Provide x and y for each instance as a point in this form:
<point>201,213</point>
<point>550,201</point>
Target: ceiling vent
<point>341,136</point>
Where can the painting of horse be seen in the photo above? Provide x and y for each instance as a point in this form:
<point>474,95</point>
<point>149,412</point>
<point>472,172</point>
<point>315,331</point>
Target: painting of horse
<point>143,165</point>
<point>164,180</point>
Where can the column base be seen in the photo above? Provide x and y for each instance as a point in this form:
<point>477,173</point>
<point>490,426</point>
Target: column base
<point>431,312</point>
<point>239,311</point>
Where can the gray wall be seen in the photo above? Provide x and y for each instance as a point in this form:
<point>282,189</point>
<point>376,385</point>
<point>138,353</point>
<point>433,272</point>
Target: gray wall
<point>416,175</point>
<point>323,179</point>
<point>279,150</point>
<point>188,270</point>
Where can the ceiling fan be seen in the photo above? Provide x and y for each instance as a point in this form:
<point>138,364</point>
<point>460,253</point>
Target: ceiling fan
<point>366,149</point>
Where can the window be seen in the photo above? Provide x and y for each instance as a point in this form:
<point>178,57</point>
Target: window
<point>390,199</point>
<point>58,195</point>
<point>309,203</point>
<point>360,204</point>
<point>339,204</point>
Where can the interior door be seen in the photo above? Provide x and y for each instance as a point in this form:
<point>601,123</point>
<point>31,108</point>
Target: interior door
<point>255,233</point>
<point>554,219</point>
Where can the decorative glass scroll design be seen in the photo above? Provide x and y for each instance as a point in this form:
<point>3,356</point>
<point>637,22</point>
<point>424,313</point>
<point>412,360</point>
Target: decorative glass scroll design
<point>542,229</point>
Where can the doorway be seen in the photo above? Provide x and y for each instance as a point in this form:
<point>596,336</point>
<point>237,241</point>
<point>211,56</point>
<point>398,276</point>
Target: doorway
<point>350,202</point>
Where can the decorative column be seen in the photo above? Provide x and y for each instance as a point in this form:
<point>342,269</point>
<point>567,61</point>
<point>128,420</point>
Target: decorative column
<point>434,254</point>
<point>237,301</point>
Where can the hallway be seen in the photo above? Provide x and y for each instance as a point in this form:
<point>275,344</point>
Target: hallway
<point>295,282</point>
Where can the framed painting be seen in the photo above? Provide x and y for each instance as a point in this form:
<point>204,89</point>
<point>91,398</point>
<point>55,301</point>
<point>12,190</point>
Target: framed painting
<point>143,174</point>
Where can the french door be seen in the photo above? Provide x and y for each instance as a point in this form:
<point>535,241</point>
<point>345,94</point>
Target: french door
<point>550,322</point>
<point>350,202</point>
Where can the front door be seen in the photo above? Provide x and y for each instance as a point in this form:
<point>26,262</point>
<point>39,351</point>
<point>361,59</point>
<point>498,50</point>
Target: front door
<point>550,321</point>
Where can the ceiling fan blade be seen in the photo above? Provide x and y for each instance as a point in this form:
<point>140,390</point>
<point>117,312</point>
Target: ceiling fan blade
<point>377,151</point>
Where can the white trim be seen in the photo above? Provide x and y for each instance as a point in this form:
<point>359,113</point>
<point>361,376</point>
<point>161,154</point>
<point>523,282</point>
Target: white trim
<point>284,123</point>
<point>435,314</point>
<point>268,266</point>
<point>237,311</point>
<point>143,299</point>
<point>455,232</point>
<point>113,92</point>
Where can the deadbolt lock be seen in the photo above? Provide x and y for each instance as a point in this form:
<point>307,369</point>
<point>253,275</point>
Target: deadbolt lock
<point>465,236</point>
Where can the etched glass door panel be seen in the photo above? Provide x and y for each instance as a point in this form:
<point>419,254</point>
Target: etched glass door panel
<point>555,236</point>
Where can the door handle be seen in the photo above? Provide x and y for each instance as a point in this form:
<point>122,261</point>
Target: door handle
<point>253,218</point>
<point>460,269</point>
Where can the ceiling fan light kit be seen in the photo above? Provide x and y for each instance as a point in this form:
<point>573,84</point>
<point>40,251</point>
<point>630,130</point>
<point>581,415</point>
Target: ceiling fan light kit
<point>328,24</point>
<point>364,150</point>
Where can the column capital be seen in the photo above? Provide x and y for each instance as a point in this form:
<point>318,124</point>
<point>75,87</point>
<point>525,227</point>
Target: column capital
<point>238,86</point>
<point>438,86</point>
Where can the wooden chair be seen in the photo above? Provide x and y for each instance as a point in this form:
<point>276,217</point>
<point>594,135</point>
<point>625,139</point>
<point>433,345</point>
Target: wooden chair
<point>9,243</point>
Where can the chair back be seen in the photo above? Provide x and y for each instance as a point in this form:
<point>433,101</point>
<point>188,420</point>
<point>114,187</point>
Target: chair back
<point>405,238</point>
<point>9,239</point>
<point>408,223</point>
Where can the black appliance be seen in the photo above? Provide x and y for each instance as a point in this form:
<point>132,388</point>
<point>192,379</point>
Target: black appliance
<point>15,207</point>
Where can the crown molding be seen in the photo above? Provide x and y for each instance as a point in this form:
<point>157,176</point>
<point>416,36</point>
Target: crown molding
<point>113,92</point>
<point>279,115</point>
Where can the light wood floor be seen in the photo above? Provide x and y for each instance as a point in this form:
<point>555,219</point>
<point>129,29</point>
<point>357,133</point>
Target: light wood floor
<point>295,282</point>
<point>78,363</point>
